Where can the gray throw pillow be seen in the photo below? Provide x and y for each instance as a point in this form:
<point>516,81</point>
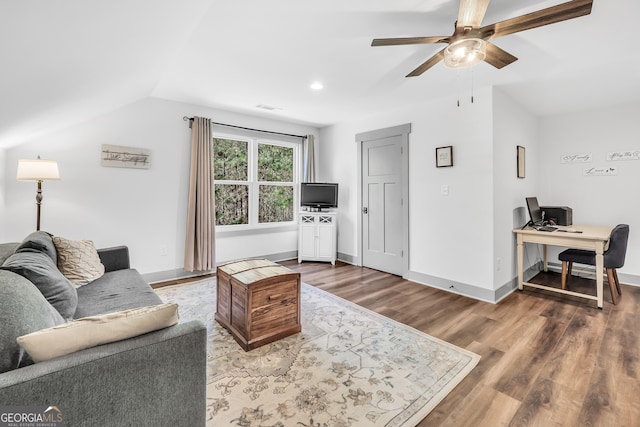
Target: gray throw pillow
<point>23,310</point>
<point>40,270</point>
<point>39,241</point>
<point>6,250</point>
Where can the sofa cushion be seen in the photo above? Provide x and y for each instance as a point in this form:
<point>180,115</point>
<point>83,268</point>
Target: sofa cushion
<point>115,291</point>
<point>78,260</point>
<point>23,310</point>
<point>39,241</point>
<point>92,331</point>
<point>41,270</point>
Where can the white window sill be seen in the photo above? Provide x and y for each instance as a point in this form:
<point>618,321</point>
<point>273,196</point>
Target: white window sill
<point>245,230</point>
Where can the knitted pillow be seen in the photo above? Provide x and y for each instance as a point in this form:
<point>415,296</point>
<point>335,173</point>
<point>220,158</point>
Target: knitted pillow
<point>78,260</point>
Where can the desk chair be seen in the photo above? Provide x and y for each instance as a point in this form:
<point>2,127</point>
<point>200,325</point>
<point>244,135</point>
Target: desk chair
<point>613,259</point>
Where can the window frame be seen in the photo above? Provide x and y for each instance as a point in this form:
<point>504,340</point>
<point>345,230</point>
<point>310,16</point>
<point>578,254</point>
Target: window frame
<point>254,185</point>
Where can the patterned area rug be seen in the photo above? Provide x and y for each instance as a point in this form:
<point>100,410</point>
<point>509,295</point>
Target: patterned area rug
<point>348,367</point>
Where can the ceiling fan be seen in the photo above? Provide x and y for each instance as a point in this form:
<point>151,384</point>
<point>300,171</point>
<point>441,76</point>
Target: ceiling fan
<point>470,44</point>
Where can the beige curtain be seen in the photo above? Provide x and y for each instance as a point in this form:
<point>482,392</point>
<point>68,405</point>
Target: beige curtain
<point>310,160</point>
<point>199,253</point>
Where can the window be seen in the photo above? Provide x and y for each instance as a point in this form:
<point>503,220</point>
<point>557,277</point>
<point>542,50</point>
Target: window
<point>254,181</point>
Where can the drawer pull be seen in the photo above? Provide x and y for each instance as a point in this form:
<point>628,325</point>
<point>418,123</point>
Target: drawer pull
<point>273,297</point>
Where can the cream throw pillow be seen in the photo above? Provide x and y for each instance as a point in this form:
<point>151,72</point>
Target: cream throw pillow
<point>78,260</point>
<point>96,330</point>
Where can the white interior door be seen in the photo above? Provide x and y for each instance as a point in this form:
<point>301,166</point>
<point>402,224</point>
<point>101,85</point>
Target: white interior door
<point>382,210</point>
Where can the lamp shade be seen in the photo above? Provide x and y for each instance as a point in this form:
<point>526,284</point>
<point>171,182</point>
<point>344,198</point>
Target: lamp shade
<point>37,170</point>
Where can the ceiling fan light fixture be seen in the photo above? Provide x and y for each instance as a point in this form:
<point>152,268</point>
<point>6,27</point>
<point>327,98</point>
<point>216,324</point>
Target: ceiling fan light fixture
<point>465,53</point>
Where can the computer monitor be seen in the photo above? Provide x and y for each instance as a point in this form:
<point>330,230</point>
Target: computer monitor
<point>535,213</point>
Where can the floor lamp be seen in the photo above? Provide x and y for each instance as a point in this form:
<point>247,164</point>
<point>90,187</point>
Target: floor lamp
<point>38,170</point>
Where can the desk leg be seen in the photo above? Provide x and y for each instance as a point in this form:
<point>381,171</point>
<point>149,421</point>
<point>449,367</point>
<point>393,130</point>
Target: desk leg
<point>520,261</point>
<point>544,257</point>
<point>600,272</point>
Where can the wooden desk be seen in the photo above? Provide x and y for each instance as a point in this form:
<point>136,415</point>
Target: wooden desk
<point>593,237</point>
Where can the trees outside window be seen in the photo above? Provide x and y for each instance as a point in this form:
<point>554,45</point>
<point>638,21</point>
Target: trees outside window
<point>254,181</point>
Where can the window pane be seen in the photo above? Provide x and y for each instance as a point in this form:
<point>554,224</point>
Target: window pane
<point>275,163</point>
<point>232,204</point>
<point>229,160</point>
<point>275,203</point>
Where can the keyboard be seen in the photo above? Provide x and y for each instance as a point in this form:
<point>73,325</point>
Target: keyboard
<point>546,228</point>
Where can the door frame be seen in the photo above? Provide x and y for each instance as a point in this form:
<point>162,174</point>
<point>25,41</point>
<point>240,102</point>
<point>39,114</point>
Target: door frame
<point>403,131</point>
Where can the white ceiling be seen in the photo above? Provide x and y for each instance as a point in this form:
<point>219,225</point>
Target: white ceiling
<point>64,61</point>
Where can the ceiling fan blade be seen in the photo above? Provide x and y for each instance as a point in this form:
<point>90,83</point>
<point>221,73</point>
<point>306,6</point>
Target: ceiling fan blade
<point>497,57</point>
<point>471,13</point>
<point>427,64</point>
<point>550,15</point>
<point>409,40</point>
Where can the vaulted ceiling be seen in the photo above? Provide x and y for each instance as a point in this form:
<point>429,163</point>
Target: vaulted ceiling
<point>65,61</point>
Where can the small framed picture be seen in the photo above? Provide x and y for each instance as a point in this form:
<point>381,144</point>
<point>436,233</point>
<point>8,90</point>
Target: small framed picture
<point>444,156</point>
<point>521,162</point>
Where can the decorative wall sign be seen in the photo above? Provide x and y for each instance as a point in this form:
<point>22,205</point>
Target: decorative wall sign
<point>520,161</point>
<point>444,156</point>
<point>599,171</point>
<point>624,155</point>
<point>576,158</point>
<point>117,156</point>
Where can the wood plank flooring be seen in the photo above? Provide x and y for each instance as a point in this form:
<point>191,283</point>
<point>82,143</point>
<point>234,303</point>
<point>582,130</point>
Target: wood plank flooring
<point>547,359</point>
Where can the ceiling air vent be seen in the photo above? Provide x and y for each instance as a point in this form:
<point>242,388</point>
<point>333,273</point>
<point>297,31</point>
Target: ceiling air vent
<point>268,107</point>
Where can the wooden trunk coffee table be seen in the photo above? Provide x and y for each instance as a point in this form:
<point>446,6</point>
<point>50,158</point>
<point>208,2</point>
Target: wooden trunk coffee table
<point>258,301</point>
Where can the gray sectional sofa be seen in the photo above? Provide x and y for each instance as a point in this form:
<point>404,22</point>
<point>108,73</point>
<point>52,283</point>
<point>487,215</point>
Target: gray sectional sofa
<point>155,379</point>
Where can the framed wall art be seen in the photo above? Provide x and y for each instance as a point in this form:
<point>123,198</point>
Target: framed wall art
<point>444,156</point>
<point>117,156</point>
<point>623,155</point>
<point>520,161</point>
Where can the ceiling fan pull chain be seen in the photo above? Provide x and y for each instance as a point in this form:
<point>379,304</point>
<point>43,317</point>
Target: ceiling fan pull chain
<point>472,85</point>
<point>458,85</point>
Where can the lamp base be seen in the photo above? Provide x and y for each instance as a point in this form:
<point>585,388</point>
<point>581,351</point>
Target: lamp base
<point>38,203</point>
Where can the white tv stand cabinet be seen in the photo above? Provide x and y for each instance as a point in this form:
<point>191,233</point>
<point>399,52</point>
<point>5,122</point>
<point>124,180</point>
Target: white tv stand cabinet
<point>317,235</point>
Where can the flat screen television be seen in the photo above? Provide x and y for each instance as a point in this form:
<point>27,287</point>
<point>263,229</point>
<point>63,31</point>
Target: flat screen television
<point>535,213</point>
<point>319,195</point>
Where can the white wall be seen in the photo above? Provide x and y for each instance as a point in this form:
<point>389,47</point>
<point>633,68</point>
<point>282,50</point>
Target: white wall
<point>3,178</point>
<point>512,126</point>
<point>607,200</point>
<point>466,238</point>
<point>457,238</point>
<point>143,209</point>
<point>445,232</point>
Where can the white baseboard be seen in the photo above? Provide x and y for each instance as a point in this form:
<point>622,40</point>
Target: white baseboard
<point>179,273</point>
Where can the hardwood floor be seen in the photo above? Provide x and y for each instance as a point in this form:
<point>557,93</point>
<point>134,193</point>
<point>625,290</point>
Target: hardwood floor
<point>547,359</point>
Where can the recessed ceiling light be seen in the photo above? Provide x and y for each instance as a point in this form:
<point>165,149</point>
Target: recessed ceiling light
<point>316,86</point>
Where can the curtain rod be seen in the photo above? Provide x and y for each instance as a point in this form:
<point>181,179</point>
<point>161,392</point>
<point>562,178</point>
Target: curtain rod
<point>190,119</point>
